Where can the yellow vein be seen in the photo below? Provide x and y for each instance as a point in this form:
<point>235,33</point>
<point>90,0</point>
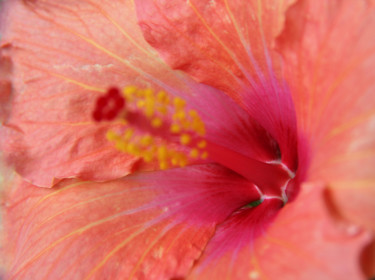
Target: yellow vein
<point>114,251</point>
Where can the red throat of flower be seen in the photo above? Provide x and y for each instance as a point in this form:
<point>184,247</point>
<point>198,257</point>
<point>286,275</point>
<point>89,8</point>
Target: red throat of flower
<point>158,127</point>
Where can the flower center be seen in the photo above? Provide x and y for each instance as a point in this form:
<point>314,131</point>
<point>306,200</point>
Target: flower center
<point>161,128</point>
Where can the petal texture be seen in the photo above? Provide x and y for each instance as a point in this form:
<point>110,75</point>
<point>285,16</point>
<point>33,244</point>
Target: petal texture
<point>80,49</point>
<point>227,44</point>
<point>152,226</point>
<point>217,42</point>
<point>303,242</point>
<point>334,92</point>
<point>333,85</point>
<point>57,74</point>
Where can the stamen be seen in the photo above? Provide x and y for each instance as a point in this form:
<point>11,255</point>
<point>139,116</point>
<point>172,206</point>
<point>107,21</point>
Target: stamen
<point>158,127</point>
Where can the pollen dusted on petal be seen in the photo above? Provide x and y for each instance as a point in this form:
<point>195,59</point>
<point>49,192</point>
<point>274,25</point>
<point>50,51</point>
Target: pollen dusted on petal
<point>158,127</point>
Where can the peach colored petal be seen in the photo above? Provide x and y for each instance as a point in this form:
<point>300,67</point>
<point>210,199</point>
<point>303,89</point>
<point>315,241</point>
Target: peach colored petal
<point>216,42</point>
<point>304,242</point>
<point>149,226</point>
<point>355,200</point>
<point>64,55</point>
<point>329,52</point>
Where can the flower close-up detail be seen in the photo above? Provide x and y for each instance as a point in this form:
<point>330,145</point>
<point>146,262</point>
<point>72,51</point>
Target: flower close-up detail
<point>199,139</point>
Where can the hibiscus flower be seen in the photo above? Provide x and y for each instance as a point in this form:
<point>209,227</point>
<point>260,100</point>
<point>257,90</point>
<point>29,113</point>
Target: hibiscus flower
<point>188,139</point>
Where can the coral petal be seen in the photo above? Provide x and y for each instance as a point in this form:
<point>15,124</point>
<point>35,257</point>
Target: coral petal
<point>354,200</point>
<point>57,74</point>
<point>211,40</point>
<point>333,85</point>
<point>149,226</point>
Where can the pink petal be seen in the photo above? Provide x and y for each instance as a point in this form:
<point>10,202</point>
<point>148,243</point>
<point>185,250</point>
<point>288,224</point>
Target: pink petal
<point>329,50</point>
<point>355,201</point>
<point>303,242</point>
<point>80,50</point>
<point>150,226</point>
<point>56,78</point>
<point>218,43</point>
<point>333,84</point>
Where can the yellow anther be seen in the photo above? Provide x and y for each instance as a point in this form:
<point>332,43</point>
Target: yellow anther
<point>198,127</point>
<point>112,136</point>
<point>156,122</point>
<point>147,140</point>
<point>201,130</point>
<point>175,128</point>
<point>149,110</point>
<point>122,146</point>
<point>162,97</point>
<point>178,159</point>
<point>182,162</point>
<point>185,139</point>
<point>193,114</point>
<point>162,153</point>
<point>140,103</point>
<point>186,124</point>
<point>163,109</point>
<point>179,115</point>
<point>129,91</point>
<point>147,156</point>
<point>194,153</point>
<point>133,149</point>
<point>174,160</point>
<point>163,165</point>
<point>202,144</point>
<point>139,93</point>
<point>128,134</point>
<point>204,155</point>
<point>160,109</point>
<point>149,93</point>
<point>179,103</point>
